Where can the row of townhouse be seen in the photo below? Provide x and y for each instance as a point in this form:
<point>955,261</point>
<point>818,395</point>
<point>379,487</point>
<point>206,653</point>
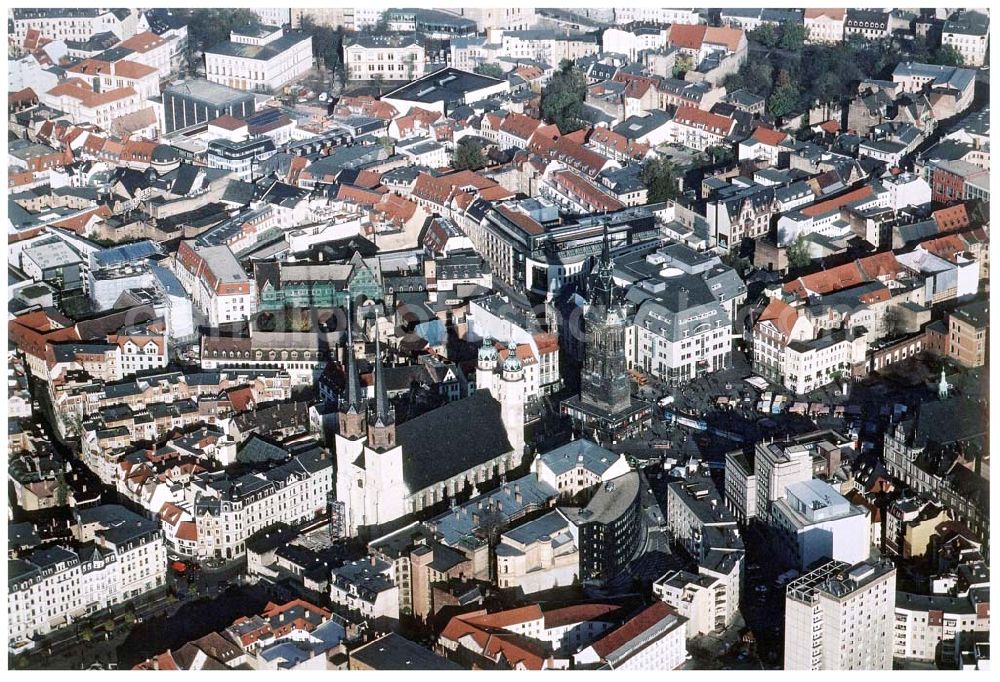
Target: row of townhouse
<point>539,45</point>
<point>835,25</point>
<point>834,324</point>
<point>71,25</point>
<point>227,511</point>
<point>117,556</point>
<point>82,398</point>
<point>698,520</point>
<point>216,281</point>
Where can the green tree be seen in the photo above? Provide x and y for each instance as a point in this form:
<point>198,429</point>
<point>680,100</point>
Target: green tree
<point>208,27</point>
<point>755,76</point>
<point>662,180</point>
<point>468,156</point>
<point>765,34</point>
<point>920,50</point>
<point>793,37</point>
<point>798,253</point>
<point>785,98</point>
<point>946,55</point>
<point>326,42</point>
<point>737,262</point>
<point>563,97</point>
<point>682,65</point>
<point>62,489</point>
<point>719,154</point>
<point>490,69</point>
<point>378,80</point>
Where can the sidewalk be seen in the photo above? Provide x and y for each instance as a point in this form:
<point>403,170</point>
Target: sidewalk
<point>67,648</point>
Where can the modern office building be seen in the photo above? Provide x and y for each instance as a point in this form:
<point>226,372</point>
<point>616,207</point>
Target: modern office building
<point>776,466</point>
<point>609,529</point>
<point>199,101</point>
<point>816,522</point>
<point>840,617</point>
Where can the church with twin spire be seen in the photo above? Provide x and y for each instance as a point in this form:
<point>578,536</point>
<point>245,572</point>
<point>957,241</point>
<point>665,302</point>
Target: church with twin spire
<point>387,472</point>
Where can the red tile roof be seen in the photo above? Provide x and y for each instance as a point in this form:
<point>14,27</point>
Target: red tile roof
<point>503,619</point>
<point>951,218</point>
<point>836,14</point>
<point>879,266</point>
<point>395,208</point>
<point>271,609</point>
<point>368,179</point>
<point>781,315</point>
<point>227,122</point>
<point>768,136</point>
<point>522,220</point>
<point>578,613</point>
<point>688,36</point>
<point>31,333</point>
<point>529,73</point>
<point>695,117</point>
<point>77,89</point>
<point>79,222</point>
<point>574,154</point>
<point>134,70</point>
<point>945,247</point>
<point>618,142</point>
<point>27,95</point>
<point>838,202</point>
<point>187,531</point>
<point>357,195</point>
<point>519,125</point>
<point>143,42</point>
<point>632,628</point>
<point>825,281</point>
<point>497,644</point>
<point>585,191</point>
<point>724,35</point>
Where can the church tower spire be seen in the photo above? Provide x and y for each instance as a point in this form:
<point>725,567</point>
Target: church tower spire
<point>382,419</point>
<point>352,408</point>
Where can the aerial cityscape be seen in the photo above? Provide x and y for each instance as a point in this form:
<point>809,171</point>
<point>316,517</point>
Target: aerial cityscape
<point>498,339</point>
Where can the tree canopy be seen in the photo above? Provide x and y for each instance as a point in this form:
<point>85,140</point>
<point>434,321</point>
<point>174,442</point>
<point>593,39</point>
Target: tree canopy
<point>468,156</point>
<point>209,27</point>
<point>826,74</point>
<point>563,97</point>
<point>785,97</point>
<point>490,69</point>
<point>755,76</point>
<point>662,179</point>
<point>326,41</point>
<point>798,253</point>
<point>788,37</point>
<point>765,34</point>
<point>793,36</point>
<point>683,64</point>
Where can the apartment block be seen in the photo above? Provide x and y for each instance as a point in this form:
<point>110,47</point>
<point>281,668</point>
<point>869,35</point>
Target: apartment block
<point>391,57</point>
<point>839,616</point>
